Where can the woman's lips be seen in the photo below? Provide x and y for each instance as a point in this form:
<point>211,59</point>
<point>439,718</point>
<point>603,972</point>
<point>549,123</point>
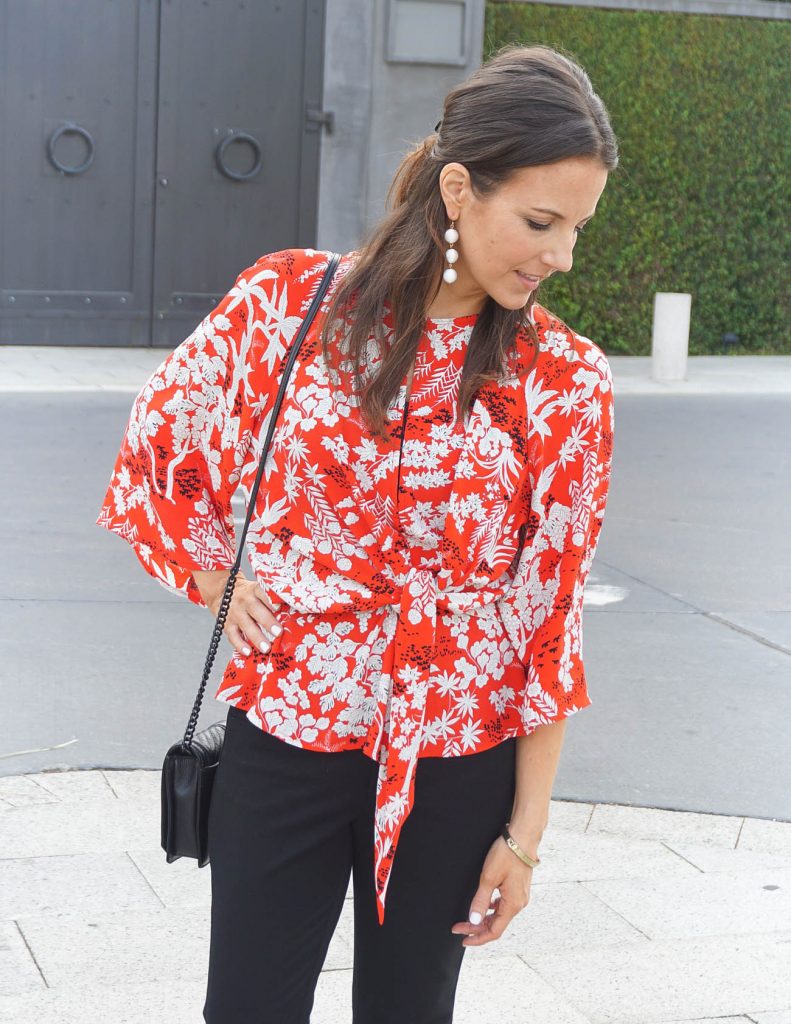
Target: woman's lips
<point>531,282</point>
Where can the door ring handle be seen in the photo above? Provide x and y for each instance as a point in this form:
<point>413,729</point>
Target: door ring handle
<point>70,128</point>
<point>219,156</point>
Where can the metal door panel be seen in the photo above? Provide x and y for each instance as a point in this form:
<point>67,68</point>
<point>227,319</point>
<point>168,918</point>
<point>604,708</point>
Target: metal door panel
<point>78,88</point>
<point>139,244</point>
<point>242,77</point>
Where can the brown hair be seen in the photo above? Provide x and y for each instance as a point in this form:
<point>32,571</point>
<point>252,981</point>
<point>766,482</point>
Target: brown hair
<point>528,105</point>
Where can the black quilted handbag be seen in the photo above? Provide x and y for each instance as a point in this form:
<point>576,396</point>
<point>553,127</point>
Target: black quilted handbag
<point>190,765</point>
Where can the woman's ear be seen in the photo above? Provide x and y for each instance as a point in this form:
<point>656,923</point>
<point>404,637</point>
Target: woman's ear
<point>454,186</point>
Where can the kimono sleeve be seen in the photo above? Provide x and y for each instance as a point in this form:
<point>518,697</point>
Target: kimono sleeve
<point>542,610</point>
<point>181,455</point>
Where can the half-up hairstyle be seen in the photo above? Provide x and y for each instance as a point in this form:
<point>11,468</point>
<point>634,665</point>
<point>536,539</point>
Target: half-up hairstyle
<point>528,105</point>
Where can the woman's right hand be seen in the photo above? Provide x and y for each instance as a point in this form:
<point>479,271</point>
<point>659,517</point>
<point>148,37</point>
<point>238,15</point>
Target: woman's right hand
<point>250,612</point>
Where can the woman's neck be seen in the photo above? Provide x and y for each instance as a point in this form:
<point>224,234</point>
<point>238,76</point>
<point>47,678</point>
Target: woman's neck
<point>452,302</point>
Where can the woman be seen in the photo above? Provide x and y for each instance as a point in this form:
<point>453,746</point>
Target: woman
<point>409,644</point>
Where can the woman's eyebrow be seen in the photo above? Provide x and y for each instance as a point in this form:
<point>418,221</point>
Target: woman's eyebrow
<point>554,213</point>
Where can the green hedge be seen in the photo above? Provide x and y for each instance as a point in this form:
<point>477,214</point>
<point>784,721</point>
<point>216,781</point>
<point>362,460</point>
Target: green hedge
<point>700,200</point>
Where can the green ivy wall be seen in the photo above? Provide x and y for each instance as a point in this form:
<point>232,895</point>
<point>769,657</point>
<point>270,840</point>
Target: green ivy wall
<point>701,200</point>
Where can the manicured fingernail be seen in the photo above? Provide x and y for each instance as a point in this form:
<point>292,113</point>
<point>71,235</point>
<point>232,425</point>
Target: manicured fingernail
<point>264,647</point>
<point>475,917</point>
<point>246,650</point>
<point>276,628</point>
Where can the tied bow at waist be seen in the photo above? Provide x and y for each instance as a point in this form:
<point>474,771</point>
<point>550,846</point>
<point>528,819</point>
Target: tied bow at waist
<point>399,735</point>
<point>395,737</point>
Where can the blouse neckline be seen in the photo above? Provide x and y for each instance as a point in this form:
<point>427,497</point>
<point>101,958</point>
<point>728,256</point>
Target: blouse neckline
<point>462,321</point>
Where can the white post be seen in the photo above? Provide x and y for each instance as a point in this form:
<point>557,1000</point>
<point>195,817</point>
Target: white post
<point>670,339</point>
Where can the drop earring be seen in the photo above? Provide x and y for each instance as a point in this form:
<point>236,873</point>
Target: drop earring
<point>451,255</point>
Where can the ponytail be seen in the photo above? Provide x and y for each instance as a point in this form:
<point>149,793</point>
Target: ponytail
<point>410,170</point>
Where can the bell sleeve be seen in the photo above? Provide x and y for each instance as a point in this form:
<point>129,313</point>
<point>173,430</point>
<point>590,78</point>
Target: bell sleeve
<point>569,482</point>
<point>189,431</point>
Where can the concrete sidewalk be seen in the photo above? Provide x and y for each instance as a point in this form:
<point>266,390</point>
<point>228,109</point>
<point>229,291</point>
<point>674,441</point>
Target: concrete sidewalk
<point>24,368</point>
<point>636,916</point>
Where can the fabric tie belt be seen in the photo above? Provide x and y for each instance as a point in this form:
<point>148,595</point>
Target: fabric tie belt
<point>396,734</point>
<point>400,719</point>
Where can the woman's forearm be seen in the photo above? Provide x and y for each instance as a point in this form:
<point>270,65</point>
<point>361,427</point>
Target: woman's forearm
<point>537,757</point>
<point>211,584</point>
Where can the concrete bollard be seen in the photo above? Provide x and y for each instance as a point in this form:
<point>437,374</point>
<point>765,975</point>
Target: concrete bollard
<point>670,338</point>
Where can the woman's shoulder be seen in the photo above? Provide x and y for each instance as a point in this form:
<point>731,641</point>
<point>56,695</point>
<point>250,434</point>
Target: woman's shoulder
<point>282,284</point>
<point>298,265</point>
<point>561,343</point>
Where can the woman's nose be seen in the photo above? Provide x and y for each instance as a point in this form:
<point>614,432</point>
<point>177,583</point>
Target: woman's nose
<point>560,258</point>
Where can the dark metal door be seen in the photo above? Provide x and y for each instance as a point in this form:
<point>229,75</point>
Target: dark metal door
<point>77,132</point>
<point>150,151</point>
<point>237,146</point>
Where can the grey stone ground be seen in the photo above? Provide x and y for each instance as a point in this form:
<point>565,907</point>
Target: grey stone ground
<point>664,893</point>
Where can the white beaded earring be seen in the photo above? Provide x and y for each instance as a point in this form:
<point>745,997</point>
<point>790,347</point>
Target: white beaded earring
<point>451,254</point>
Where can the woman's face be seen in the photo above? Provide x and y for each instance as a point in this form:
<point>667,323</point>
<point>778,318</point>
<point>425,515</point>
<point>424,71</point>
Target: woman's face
<point>509,236</point>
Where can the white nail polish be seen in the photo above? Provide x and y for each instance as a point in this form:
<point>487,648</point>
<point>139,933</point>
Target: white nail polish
<point>475,917</point>
<point>276,629</point>
<point>246,650</point>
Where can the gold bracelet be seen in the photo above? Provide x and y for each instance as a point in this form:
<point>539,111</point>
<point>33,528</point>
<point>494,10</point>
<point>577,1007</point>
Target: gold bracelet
<point>517,848</point>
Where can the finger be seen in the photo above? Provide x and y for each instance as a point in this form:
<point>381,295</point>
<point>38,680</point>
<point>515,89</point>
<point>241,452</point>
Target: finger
<point>262,610</point>
<point>480,902</point>
<point>254,629</point>
<point>496,924</point>
<point>262,596</point>
<point>489,929</point>
<point>467,927</point>
<point>479,935</point>
<point>238,639</point>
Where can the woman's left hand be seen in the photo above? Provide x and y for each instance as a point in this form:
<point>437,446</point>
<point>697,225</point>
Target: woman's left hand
<point>502,870</point>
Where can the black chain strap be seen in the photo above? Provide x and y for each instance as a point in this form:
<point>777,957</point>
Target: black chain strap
<point>225,603</point>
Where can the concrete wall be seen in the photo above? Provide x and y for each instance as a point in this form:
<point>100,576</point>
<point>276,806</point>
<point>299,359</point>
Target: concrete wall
<point>380,108</point>
<point>348,92</point>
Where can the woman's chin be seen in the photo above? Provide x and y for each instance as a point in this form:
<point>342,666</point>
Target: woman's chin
<point>515,302</point>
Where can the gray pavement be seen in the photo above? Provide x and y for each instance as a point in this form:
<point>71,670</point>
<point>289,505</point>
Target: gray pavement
<point>636,916</point>
<point>664,892</point>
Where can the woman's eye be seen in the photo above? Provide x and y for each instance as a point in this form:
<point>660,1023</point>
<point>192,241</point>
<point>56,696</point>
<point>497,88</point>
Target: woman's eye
<point>545,227</point>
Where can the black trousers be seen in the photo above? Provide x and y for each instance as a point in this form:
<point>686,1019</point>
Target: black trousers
<point>288,825</point>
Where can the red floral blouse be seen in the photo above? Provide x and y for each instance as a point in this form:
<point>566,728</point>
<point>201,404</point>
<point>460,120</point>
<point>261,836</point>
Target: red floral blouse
<point>415,623</point>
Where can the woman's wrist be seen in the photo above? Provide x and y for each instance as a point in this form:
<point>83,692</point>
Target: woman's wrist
<point>530,858</point>
<point>527,831</point>
<point>211,584</point>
